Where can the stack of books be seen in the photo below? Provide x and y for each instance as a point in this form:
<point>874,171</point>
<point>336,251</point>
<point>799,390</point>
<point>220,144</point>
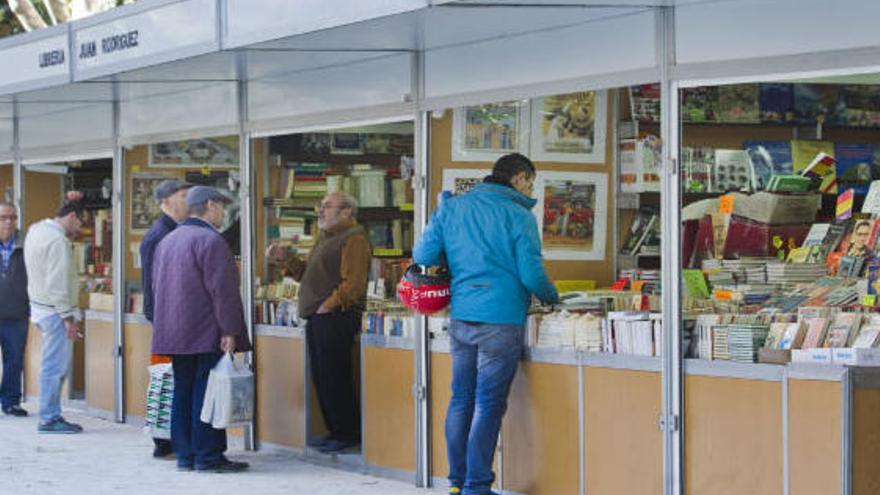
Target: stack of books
<point>794,273</point>
<point>743,342</point>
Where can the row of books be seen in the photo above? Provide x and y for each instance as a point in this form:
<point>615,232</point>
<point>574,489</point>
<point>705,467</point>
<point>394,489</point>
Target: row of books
<point>762,165</point>
<point>392,234</point>
<point>277,313</point>
<point>286,289</point>
<point>383,276</point>
<point>391,322</point>
<point>628,332</point>
<point>738,337</point>
<point>566,330</point>
<point>371,186</point>
<point>773,103</point>
<point>643,236</point>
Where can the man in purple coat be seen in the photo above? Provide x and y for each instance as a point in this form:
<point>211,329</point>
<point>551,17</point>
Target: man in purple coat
<point>197,316</point>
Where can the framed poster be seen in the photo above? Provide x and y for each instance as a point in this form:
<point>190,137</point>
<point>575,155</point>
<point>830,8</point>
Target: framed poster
<point>220,152</point>
<point>484,133</point>
<point>572,214</point>
<point>346,143</point>
<point>569,128</point>
<point>144,209</point>
<point>461,180</point>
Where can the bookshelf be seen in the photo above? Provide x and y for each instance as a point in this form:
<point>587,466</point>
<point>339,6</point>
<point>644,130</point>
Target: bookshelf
<point>373,165</point>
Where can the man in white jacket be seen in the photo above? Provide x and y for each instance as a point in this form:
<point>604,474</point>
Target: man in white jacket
<point>52,289</point>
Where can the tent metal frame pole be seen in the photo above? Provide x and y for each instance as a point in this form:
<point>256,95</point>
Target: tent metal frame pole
<point>422,339</point>
<point>119,240</point>
<point>671,417</point>
<point>18,193</point>
<point>17,169</point>
<point>247,198</point>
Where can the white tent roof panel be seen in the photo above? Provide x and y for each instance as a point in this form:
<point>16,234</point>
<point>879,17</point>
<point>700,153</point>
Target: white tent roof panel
<point>152,112</point>
<point>626,46</point>
<point>254,21</point>
<point>384,80</point>
<point>725,34</point>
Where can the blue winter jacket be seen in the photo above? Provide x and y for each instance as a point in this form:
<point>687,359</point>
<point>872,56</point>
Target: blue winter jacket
<point>490,239</point>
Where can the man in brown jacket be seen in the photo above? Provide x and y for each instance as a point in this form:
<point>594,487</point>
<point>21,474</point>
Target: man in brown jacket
<point>332,296</point>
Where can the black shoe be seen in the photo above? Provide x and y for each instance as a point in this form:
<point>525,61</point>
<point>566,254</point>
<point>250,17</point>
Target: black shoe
<point>224,466</point>
<point>319,441</point>
<point>163,449</point>
<point>15,410</point>
<point>333,446</point>
<point>59,425</point>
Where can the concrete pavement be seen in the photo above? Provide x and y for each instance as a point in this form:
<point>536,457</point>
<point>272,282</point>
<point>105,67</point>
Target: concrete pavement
<point>111,458</point>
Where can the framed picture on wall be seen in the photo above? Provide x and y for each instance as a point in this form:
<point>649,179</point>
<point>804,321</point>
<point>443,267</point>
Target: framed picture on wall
<point>461,180</point>
<point>569,128</point>
<point>484,133</point>
<point>144,209</point>
<point>219,152</point>
<point>347,143</point>
<point>571,211</point>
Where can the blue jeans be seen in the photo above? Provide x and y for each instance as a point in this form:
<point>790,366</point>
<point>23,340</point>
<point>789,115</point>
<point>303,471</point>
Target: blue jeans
<point>13,337</point>
<point>484,362</point>
<point>195,443</point>
<point>57,354</point>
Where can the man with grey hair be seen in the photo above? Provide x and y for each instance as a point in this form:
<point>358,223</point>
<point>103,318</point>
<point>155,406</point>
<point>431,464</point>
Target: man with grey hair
<point>171,196</point>
<point>198,316</point>
<point>332,297</point>
<point>14,310</point>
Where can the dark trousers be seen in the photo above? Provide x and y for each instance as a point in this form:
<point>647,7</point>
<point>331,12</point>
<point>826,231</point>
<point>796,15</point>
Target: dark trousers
<point>330,337</point>
<point>13,337</point>
<point>195,443</point>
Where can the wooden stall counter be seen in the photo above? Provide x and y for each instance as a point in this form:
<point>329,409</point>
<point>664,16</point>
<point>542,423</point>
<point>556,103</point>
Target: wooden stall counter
<point>281,385</point>
<point>388,405</point>
<point>138,341</point>
<point>733,425</point>
<point>99,370</point>
<point>576,422</point>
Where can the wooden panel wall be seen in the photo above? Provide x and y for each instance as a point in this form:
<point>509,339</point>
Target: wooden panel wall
<point>6,180</point>
<point>624,447</point>
<point>440,393</point>
<point>866,441</point>
<point>814,419</point>
<point>138,340</point>
<point>732,427</point>
<point>281,406</point>
<point>541,456</point>
<point>42,196</point>
<point>32,359</point>
<point>388,408</point>
<point>99,365</point>
<point>441,159</point>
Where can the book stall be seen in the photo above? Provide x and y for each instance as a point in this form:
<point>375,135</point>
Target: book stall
<point>374,165</point>
<point>752,351</point>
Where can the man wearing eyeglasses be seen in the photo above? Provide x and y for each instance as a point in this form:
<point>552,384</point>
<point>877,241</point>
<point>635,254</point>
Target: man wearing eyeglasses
<point>332,297</point>
<point>14,310</point>
<point>54,301</point>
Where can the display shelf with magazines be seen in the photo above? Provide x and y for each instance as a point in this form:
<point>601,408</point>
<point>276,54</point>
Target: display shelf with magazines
<point>784,279</point>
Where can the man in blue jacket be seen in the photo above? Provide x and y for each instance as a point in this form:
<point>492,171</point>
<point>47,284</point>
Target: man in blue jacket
<point>171,196</point>
<point>490,241</point>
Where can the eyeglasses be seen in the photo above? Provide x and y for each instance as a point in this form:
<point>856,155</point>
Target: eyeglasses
<point>8,218</point>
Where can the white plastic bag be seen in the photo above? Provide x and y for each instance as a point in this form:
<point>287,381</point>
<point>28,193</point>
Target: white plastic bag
<point>229,397</point>
<point>160,392</point>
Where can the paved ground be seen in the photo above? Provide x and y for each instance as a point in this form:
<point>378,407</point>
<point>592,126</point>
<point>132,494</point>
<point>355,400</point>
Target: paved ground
<point>110,458</point>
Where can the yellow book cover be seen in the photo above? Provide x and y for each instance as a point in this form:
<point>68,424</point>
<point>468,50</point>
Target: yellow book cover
<point>802,154</point>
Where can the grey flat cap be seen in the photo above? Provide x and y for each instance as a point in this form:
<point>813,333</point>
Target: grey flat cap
<point>168,187</point>
<point>200,195</point>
